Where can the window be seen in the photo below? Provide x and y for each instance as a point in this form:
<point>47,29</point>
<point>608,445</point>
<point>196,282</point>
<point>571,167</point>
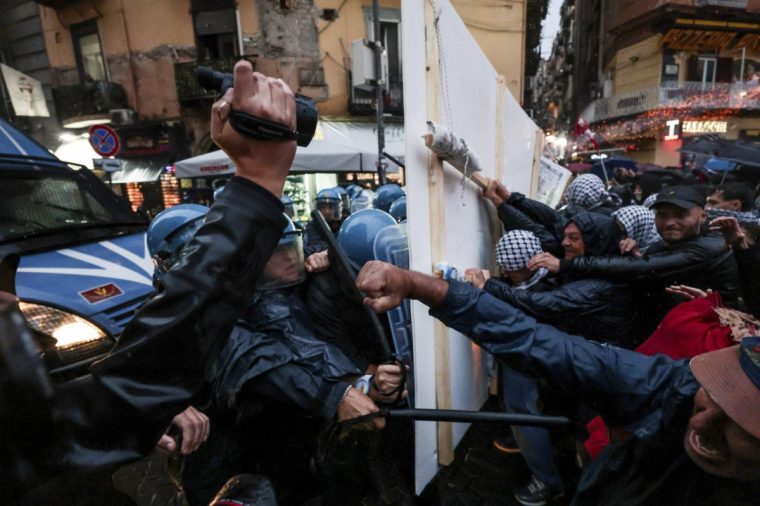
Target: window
<point>88,51</point>
<point>390,37</point>
<point>707,67</point>
<point>216,30</point>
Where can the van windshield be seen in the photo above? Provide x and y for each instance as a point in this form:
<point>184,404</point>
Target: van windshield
<point>40,201</point>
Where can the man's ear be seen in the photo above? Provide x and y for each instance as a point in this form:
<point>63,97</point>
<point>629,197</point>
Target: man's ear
<point>736,205</point>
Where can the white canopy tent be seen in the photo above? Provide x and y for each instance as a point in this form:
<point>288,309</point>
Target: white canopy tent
<point>337,146</point>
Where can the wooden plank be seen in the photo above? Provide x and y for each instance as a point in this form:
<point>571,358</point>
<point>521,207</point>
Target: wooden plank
<point>438,238</point>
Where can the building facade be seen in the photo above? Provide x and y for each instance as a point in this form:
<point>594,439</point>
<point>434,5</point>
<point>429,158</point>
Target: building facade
<point>132,65</point>
<point>675,70</point>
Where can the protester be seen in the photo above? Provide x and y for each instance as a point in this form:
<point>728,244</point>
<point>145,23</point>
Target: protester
<point>587,191</point>
<point>638,224</point>
<point>732,197</point>
<point>698,435</point>
<point>687,255</point>
<point>594,308</point>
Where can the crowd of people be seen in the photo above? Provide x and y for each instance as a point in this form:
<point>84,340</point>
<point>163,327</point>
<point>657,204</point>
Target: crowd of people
<point>636,319</point>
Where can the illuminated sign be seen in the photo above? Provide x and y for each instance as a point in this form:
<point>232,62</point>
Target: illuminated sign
<point>705,127</point>
<point>672,130</point>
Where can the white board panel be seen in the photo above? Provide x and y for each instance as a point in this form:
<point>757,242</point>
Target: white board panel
<point>470,94</point>
<point>418,203</point>
<point>519,146</point>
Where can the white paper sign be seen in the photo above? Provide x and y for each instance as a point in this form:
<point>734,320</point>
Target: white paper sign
<point>26,93</point>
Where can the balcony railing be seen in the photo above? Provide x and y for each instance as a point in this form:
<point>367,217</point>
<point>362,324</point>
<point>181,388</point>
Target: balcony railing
<point>88,100</point>
<point>676,95</point>
<point>362,103</point>
<point>187,82</point>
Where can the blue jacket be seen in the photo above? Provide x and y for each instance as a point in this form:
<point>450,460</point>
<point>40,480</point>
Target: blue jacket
<point>651,396</point>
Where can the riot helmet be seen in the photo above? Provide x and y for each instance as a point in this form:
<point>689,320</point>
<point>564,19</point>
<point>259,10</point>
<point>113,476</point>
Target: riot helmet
<point>398,209</point>
<point>330,204</point>
<point>363,200</point>
<point>286,265</point>
<point>169,231</point>
<point>385,196</point>
<point>358,232</point>
<point>345,199</point>
<point>287,202</point>
<point>353,190</point>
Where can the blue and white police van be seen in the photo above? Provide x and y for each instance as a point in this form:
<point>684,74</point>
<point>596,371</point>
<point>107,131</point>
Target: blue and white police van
<point>72,251</point>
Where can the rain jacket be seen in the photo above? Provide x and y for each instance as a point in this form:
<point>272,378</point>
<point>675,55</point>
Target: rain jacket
<point>273,346</point>
<point>594,308</point>
<point>156,370</point>
<point>653,396</point>
<point>601,234</point>
<point>703,262</point>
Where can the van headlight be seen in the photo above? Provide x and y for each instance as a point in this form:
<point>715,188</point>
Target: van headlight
<point>76,338</point>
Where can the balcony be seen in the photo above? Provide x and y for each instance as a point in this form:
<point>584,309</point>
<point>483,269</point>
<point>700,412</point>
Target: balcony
<point>80,105</point>
<point>362,103</point>
<point>187,82</point>
<point>694,96</point>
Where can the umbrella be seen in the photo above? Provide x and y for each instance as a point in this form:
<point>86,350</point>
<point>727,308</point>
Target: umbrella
<point>718,165</point>
<point>741,152</point>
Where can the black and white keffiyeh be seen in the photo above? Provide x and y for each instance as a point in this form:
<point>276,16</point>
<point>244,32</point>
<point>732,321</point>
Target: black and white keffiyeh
<point>649,201</point>
<point>586,191</point>
<point>515,249</point>
<point>639,225</point>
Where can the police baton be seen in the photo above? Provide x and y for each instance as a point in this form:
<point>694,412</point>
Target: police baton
<point>462,416</point>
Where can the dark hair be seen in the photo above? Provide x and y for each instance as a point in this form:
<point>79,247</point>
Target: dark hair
<point>740,192</point>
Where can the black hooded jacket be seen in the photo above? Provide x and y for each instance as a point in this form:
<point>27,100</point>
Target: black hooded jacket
<point>704,262</point>
<point>597,309</point>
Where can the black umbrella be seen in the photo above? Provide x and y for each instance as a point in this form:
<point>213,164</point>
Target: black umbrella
<point>741,152</point>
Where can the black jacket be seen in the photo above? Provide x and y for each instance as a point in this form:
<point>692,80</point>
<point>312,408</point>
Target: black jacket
<point>593,308</point>
<point>601,234</point>
<point>703,262</point>
<point>273,348</point>
<point>119,412</point>
<point>339,320</point>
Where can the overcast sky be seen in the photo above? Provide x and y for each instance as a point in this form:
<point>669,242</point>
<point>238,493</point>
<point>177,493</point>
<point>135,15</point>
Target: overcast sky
<point>550,28</point>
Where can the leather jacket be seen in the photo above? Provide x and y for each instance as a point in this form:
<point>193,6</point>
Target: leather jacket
<point>703,262</point>
<point>118,413</point>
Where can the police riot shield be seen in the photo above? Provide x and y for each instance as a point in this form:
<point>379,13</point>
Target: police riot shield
<point>392,246</point>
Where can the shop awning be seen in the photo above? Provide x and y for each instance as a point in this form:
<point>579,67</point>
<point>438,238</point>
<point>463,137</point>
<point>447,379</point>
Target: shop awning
<point>139,171</point>
<point>338,146</point>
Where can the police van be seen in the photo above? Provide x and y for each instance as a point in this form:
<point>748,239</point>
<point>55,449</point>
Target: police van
<point>72,251</point>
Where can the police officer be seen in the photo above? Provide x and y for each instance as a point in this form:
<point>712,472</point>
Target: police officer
<point>330,205</point>
<point>398,209</point>
<point>385,196</point>
<point>168,233</point>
